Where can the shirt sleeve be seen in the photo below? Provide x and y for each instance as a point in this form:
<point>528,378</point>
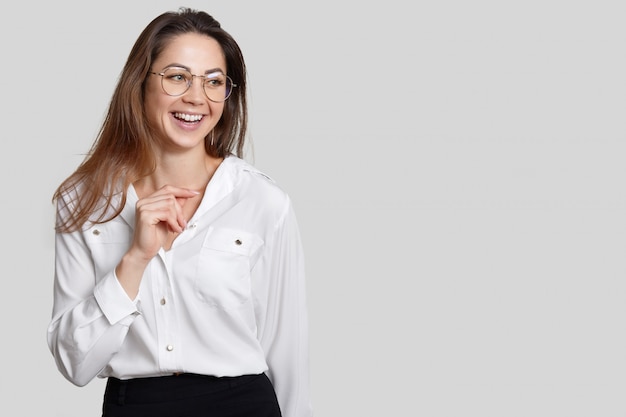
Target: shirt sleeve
<point>91,315</point>
<point>282,320</point>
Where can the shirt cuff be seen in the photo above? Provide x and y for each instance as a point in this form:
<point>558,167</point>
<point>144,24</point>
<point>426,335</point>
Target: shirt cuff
<point>115,304</point>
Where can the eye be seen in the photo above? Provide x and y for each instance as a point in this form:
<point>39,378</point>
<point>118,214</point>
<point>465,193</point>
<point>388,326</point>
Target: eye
<point>215,80</point>
<point>175,75</point>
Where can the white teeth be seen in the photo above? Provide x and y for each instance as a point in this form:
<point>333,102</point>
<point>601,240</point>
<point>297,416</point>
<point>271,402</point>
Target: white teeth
<point>188,117</point>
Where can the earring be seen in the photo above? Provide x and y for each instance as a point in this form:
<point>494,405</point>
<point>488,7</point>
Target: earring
<point>212,137</point>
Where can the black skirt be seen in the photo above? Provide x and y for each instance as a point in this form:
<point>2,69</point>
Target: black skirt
<point>191,395</point>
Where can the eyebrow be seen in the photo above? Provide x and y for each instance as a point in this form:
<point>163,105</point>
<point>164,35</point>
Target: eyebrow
<point>210,71</point>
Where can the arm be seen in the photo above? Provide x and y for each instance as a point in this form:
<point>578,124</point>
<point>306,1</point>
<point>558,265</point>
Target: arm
<point>95,280</point>
<point>283,323</point>
<point>91,315</point>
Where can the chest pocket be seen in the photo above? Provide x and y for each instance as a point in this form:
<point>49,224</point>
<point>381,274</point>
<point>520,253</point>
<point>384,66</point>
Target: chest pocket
<point>107,242</point>
<point>226,258</point>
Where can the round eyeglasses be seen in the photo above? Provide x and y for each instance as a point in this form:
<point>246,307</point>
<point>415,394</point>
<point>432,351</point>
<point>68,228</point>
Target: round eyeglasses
<point>176,81</point>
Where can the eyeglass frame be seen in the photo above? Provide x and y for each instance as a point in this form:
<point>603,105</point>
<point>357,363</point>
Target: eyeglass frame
<point>189,84</point>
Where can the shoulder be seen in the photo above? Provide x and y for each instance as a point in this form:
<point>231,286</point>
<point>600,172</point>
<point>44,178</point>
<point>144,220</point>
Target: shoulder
<point>244,167</point>
<point>260,186</point>
<point>75,197</point>
<point>248,173</point>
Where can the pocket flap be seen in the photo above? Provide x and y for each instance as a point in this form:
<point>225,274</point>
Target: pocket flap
<point>232,240</point>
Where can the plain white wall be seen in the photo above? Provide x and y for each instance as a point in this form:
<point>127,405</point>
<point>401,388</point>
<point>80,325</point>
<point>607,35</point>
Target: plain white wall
<point>458,172</point>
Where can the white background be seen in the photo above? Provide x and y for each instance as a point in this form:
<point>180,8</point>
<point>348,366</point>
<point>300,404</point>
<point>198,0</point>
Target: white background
<point>458,172</point>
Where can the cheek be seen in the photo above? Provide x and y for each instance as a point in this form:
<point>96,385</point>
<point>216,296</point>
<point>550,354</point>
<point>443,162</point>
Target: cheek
<point>156,106</point>
<point>217,110</point>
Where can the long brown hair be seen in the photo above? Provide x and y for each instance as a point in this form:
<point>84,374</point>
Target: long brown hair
<point>123,150</point>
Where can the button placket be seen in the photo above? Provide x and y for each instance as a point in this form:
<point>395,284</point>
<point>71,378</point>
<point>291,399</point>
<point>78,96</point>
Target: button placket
<point>162,293</point>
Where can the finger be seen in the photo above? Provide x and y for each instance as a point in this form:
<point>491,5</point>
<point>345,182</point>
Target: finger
<point>169,195</point>
<point>162,208</point>
<point>177,192</point>
<point>174,218</point>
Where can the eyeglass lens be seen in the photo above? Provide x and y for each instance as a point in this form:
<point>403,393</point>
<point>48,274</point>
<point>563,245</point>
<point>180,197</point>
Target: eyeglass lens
<point>176,81</point>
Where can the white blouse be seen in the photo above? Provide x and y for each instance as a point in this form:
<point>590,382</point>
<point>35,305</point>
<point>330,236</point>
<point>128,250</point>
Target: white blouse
<point>227,299</point>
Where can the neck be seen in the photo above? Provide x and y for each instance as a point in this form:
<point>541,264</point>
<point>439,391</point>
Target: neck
<point>182,171</point>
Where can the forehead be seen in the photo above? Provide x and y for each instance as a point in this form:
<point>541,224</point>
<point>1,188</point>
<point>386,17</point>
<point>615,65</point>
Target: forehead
<point>193,50</point>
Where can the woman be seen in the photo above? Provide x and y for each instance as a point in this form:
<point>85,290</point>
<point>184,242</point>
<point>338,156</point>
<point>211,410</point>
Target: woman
<point>179,272</point>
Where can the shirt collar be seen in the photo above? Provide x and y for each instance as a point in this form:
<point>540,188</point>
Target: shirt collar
<point>223,182</point>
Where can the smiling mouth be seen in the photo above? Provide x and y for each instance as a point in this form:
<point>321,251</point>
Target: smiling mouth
<point>188,117</point>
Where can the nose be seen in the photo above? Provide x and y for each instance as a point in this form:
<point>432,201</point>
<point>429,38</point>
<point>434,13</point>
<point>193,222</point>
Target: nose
<point>195,93</point>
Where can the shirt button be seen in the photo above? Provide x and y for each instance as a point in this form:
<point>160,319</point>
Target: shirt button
<point>169,348</point>
<point>162,301</point>
<point>96,232</point>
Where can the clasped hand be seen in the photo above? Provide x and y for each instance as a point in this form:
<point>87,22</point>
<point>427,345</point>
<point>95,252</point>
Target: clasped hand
<point>159,219</point>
